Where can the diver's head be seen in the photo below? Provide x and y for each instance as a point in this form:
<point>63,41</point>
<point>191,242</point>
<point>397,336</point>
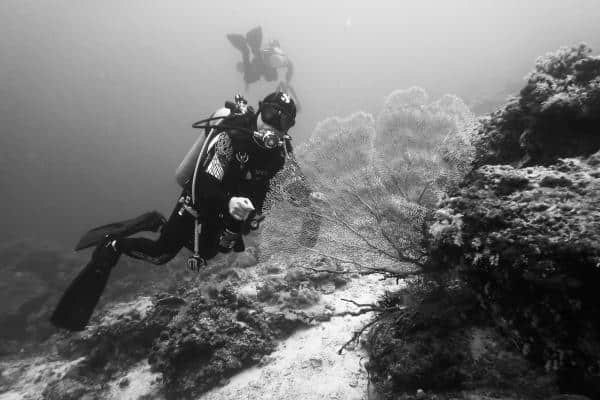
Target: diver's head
<point>276,115</point>
<point>278,110</point>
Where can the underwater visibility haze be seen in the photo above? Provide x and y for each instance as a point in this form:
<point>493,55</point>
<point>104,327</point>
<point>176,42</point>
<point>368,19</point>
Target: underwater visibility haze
<point>435,211</point>
<point>98,98</point>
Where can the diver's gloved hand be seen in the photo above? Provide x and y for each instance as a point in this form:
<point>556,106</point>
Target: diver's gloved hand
<point>240,208</point>
<point>252,223</point>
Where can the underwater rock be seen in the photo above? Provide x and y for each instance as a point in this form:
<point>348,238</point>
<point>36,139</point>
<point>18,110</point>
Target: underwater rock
<point>442,347</point>
<point>65,389</point>
<point>34,276</point>
<point>556,114</point>
<point>209,342</point>
<point>532,254</point>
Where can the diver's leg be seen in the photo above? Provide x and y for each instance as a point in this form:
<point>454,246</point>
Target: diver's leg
<point>252,71</point>
<point>150,221</point>
<point>173,237</point>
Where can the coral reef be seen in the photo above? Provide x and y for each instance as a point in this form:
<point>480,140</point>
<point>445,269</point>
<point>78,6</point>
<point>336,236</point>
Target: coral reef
<point>555,115</point>
<point>199,335</point>
<point>526,236</point>
<point>303,282</point>
<point>195,342</point>
<point>209,341</point>
<point>34,275</point>
<point>423,143</point>
<point>522,233</point>
<point>528,241</point>
<point>440,345</point>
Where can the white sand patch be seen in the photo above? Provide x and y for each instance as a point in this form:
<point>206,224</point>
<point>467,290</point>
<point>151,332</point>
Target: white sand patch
<point>306,365</point>
<point>140,306</point>
<point>32,375</point>
<point>140,381</point>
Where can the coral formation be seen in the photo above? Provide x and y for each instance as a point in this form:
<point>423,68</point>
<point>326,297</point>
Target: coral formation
<point>522,232</point>
<point>555,115</point>
<point>528,241</point>
<point>34,276</point>
<point>197,336</point>
<point>526,236</point>
<point>209,341</point>
<point>440,345</point>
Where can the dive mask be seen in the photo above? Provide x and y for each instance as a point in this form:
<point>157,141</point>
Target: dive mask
<point>269,139</point>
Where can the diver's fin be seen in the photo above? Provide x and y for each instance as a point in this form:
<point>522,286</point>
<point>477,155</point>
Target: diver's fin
<point>150,221</point>
<point>254,39</point>
<point>239,42</point>
<point>77,304</point>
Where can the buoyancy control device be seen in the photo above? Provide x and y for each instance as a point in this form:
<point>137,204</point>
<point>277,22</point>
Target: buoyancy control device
<point>185,172</point>
<point>188,168</point>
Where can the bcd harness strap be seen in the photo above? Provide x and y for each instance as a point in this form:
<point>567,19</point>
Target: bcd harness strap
<point>196,261</point>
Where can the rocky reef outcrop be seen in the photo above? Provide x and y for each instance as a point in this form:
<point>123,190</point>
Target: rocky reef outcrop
<point>556,114</point>
<point>210,341</point>
<point>34,275</point>
<point>523,230</point>
<point>528,241</point>
<point>438,344</point>
<point>193,337</point>
<point>194,341</point>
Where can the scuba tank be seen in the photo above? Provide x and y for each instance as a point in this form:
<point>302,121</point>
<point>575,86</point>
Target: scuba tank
<point>185,171</point>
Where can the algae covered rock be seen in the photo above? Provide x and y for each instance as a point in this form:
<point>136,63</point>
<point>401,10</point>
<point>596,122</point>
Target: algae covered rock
<point>555,115</point>
<point>122,336</point>
<point>441,346</point>
<point>209,341</point>
<point>33,277</point>
<point>528,242</point>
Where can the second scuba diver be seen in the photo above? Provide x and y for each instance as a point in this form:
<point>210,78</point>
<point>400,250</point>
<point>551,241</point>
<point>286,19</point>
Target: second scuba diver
<point>265,63</point>
<point>224,190</point>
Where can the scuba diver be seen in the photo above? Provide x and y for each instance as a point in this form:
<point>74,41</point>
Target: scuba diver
<point>225,178</point>
<point>265,63</point>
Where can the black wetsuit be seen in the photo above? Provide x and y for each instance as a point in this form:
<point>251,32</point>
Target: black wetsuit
<point>235,167</point>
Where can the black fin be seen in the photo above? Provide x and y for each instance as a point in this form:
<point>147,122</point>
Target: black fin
<point>150,221</point>
<point>77,304</point>
<point>254,39</point>
<point>239,42</point>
